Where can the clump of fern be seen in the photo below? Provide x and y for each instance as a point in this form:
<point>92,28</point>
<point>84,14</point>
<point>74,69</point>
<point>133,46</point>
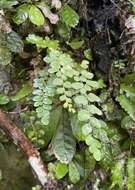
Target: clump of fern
<point>71,85</point>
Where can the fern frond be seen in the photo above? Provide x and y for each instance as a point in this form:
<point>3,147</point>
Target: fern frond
<point>127,105</point>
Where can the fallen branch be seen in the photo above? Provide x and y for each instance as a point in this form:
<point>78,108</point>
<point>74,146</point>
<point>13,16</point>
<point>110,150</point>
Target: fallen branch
<point>25,145</point>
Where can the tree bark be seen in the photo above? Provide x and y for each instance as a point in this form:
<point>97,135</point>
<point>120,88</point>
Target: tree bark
<point>25,145</point>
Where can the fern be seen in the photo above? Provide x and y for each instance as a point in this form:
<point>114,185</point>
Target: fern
<point>42,43</point>
<point>127,105</point>
<point>43,97</point>
<point>73,86</point>
<point>129,90</point>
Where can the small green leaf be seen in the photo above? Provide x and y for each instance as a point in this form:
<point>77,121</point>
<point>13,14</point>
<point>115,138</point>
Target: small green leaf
<point>86,129</point>
<point>23,92</point>
<point>34,39</point>
<point>87,74</point>
<point>128,123</point>
<point>85,64</point>
<point>95,122</point>
<point>90,141</point>
<point>86,88</point>
<point>83,115</point>
<point>52,44</point>
<point>67,84</point>
<point>69,16</point>
<point>101,84</point>
<point>3,99</point>
<point>93,98</point>
<point>88,54</point>
<point>61,170</point>
<point>77,85</point>
<point>92,149</point>
<point>81,100</point>
<point>93,84</point>
<point>42,43</point>
<point>130,90</point>
<point>94,110</point>
<point>73,173</point>
<point>61,91</point>
<point>45,117</point>
<point>58,82</point>
<point>76,44</point>
<point>22,14</point>
<point>102,135</point>
<point>97,155</point>
<point>36,16</point>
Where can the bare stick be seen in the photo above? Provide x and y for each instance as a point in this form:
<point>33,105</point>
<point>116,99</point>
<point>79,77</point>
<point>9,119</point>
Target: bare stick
<point>25,145</point>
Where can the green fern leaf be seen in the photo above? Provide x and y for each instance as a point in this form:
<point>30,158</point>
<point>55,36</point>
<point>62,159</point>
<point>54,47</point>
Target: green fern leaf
<point>130,167</point>
<point>42,43</point>
<point>130,90</point>
<point>128,79</point>
<point>43,96</point>
<point>127,105</point>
